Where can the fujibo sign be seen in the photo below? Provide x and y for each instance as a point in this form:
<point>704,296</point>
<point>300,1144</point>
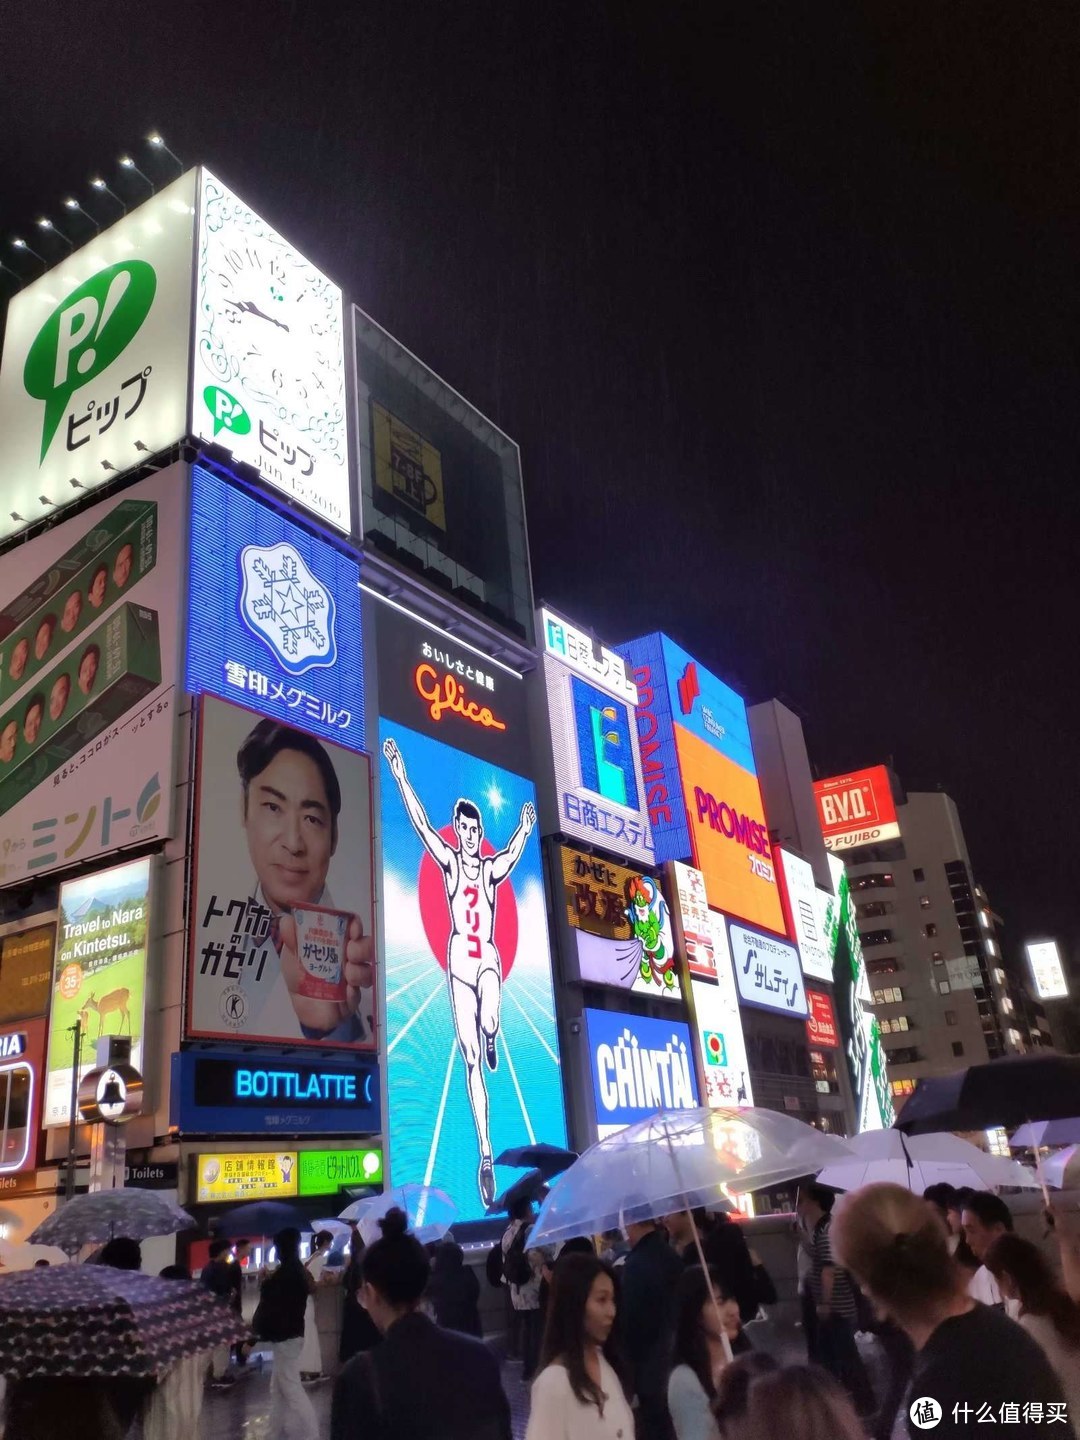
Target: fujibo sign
<point>99,371</point>
<point>95,358</point>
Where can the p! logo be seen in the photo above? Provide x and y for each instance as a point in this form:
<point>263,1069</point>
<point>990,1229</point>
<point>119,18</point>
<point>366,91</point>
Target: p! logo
<point>84,335</point>
<point>227,411</point>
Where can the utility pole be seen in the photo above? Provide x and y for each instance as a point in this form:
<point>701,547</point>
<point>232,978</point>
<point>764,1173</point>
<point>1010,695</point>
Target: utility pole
<point>75,1031</point>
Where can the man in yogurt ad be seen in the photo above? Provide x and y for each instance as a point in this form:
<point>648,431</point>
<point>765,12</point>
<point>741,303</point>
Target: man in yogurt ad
<point>291,800</point>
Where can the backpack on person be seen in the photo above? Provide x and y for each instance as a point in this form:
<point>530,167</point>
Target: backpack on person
<point>493,1267</point>
<point>516,1268</point>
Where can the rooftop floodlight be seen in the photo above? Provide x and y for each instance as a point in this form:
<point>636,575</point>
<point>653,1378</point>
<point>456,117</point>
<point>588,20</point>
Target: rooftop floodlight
<point>127,163</point>
<point>20,244</point>
<point>76,209</point>
<point>156,142</point>
<point>50,229</point>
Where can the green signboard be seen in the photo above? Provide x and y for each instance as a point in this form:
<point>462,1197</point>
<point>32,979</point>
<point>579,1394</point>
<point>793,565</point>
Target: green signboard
<point>322,1172</point>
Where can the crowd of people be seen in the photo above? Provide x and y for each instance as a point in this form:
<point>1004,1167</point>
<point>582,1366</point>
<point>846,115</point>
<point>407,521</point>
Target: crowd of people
<point>641,1336</point>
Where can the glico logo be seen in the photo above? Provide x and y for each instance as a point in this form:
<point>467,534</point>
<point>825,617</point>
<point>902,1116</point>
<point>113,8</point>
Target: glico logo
<point>450,695</point>
<point>729,822</point>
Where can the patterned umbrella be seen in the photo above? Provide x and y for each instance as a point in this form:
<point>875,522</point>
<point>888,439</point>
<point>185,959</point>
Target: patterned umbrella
<point>98,1216</point>
<point>91,1320</point>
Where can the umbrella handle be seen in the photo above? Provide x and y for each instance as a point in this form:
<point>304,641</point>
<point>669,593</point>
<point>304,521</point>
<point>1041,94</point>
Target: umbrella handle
<point>728,1356</point>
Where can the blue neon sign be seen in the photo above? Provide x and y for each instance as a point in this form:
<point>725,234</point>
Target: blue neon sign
<point>219,1092</point>
<point>656,740</point>
<point>274,615</point>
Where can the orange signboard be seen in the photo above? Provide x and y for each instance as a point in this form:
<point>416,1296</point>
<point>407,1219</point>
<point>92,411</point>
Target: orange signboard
<point>856,809</point>
<point>728,832</point>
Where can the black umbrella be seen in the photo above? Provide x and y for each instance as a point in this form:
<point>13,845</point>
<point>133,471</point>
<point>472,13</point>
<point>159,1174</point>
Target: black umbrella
<point>531,1186</point>
<point>1005,1092</point>
<point>260,1217</point>
<point>550,1160</point>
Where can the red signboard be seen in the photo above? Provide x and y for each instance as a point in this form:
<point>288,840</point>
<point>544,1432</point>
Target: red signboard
<point>856,809</point>
<point>821,1029</point>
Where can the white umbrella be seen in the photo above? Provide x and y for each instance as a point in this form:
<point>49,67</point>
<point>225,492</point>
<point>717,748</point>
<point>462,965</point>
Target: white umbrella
<point>677,1159</point>
<point>916,1161</point>
<point>430,1212</point>
<point>1063,1169</point>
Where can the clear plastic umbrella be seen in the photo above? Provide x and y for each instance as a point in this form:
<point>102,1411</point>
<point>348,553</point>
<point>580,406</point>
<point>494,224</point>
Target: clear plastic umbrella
<point>1063,1169</point>
<point>916,1161</point>
<point>677,1159</point>
<point>431,1212</point>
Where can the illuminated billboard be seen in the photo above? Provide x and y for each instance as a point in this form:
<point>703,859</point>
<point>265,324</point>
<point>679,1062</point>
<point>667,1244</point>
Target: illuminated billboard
<point>821,1028</point>
<point>858,1023</point>
<point>621,926</point>
<point>268,369</point>
<point>638,1066</point>
<point>99,974</point>
<point>856,809</point>
<point>1046,969</point>
<point>472,1050</point>
<point>656,740</point>
<point>89,663</point>
<point>26,964</point>
<point>723,1070</point>
<point>281,920</point>
<point>767,971</point>
<point>591,705</point>
<point>95,360</point>
<point>729,834</point>
<point>274,615</point>
<point>258,1092</point>
<point>809,912</point>
<point>22,1073</point>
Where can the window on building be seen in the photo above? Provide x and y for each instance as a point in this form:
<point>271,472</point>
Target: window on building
<point>944,987</point>
<point>937,957</point>
<point>882,880</point>
<point>891,996</point>
<point>874,908</point>
<point>951,1017</point>
<point>887,965</point>
<point>906,1055</point>
<point>901,1087</point>
<point>894,1026</point>
<point>918,875</point>
<point>823,1072</point>
<point>958,1047</point>
<point>876,937</point>
<point>924,901</point>
<point>930,931</point>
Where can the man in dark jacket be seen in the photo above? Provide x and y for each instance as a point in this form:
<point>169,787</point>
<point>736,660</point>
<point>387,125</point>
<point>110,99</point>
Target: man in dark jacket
<point>421,1383</point>
<point>725,1250</point>
<point>280,1319</point>
<point>650,1275</point>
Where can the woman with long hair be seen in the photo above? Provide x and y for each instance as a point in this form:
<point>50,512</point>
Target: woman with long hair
<point>1047,1311</point>
<point>801,1402</point>
<point>966,1354</point>
<point>703,1317</point>
<point>578,1393</point>
<point>358,1330</point>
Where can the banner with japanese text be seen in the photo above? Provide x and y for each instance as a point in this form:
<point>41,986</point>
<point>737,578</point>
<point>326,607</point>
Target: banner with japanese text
<point>621,924</point>
<point>89,661</point>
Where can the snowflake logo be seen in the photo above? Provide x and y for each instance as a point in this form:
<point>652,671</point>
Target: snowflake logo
<point>287,607</point>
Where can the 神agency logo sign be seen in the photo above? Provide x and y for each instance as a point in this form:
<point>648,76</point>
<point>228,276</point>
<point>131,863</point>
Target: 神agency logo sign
<point>84,335</point>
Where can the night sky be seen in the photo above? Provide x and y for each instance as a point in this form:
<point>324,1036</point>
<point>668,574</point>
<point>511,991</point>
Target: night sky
<point>778,299</point>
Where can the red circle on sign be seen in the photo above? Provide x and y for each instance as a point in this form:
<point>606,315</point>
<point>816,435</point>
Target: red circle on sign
<point>435,908</point>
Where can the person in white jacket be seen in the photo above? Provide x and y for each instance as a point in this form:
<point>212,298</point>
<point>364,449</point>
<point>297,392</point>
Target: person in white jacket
<point>578,1393</point>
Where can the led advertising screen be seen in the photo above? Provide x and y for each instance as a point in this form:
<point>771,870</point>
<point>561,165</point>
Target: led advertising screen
<point>274,615</point>
<point>26,963</point>
<point>821,1028</point>
<point>281,917</point>
<point>591,704</point>
<point>621,926</point>
<point>268,374</point>
<point>450,691</point>
<point>639,1066</point>
<point>723,1069</point>
<point>261,1093</point>
<point>99,974</point>
<point>664,803</point>
<point>704,705</point>
<point>22,1072</point>
<point>729,834</point>
<point>858,1023</point>
<point>89,660</point>
<point>857,809</point>
<point>472,1050</point>
<point>810,914</point>
<point>95,356</point>
<point>1046,970</point>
